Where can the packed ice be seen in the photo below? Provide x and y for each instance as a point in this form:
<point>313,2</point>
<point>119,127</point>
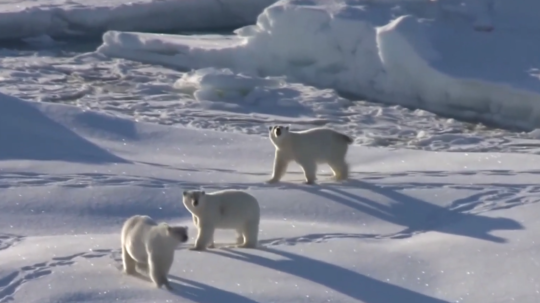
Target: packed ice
<point>437,56</point>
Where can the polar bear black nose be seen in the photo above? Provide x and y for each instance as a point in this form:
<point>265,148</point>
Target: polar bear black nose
<point>195,202</point>
<point>278,131</point>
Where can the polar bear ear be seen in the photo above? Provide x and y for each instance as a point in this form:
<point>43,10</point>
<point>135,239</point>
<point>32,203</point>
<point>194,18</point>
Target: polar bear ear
<point>270,127</point>
<point>185,193</point>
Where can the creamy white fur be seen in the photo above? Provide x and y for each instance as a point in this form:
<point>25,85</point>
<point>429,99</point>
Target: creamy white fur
<point>149,245</point>
<point>309,148</point>
<point>226,209</point>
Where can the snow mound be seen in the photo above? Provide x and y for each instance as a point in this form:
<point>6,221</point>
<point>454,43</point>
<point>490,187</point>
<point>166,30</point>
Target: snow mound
<point>59,18</point>
<point>27,133</point>
<point>271,98</point>
<point>210,84</point>
<point>441,56</point>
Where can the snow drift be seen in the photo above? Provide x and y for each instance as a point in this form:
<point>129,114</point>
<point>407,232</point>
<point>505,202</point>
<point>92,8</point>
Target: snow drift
<point>59,18</point>
<point>447,57</point>
<point>270,97</point>
<point>27,133</point>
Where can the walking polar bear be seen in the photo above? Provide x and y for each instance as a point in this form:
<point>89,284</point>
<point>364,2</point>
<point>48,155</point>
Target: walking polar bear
<point>149,245</point>
<point>309,148</point>
<point>226,209</point>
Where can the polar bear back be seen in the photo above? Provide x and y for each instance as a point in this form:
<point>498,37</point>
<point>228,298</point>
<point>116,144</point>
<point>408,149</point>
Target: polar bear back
<point>141,234</point>
<point>319,144</point>
<point>230,209</point>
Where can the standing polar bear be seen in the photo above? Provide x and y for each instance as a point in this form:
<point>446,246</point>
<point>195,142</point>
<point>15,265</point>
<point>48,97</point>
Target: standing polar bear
<point>150,245</point>
<point>309,148</point>
<point>226,209</point>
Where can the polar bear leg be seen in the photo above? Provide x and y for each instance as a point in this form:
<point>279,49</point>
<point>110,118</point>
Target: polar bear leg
<point>158,272</point>
<point>196,222</point>
<point>211,243</point>
<point>251,234</point>
<point>129,263</point>
<point>340,169</point>
<point>143,267</point>
<point>204,237</point>
<point>239,237</point>
<point>280,167</point>
<point>310,170</point>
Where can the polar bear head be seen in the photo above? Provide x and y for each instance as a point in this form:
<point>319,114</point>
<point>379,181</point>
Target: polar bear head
<point>278,133</point>
<point>179,233</point>
<point>194,200</point>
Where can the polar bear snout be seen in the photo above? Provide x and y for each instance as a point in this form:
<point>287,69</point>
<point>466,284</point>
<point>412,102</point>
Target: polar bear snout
<point>193,196</point>
<point>179,232</point>
<point>277,130</point>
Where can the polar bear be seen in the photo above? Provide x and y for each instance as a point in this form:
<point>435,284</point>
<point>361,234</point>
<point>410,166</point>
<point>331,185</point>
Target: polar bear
<point>309,148</point>
<point>150,245</point>
<point>226,209</point>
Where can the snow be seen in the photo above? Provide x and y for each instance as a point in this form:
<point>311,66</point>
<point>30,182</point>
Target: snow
<point>471,60</point>
<point>437,210</point>
<point>156,94</point>
<point>411,226</point>
<point>43,19</point>
<point>60,71</point>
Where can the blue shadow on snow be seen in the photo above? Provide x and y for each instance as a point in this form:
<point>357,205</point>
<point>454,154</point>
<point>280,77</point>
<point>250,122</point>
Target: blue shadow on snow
<point>26,133</point>
<point>415,214</point>
<point>204,293</point>
<point>342,280</point>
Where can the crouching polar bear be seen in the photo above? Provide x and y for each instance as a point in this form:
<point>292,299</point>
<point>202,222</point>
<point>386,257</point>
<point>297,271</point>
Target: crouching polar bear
<point>309,148</point>
<point>226,209</point>
<point>149,245</point>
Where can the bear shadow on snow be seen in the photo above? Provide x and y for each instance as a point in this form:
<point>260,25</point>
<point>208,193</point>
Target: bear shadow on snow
<point>198,292</point>
<point>204,293</point>
<point>342,280</point>
<point>414,214</point>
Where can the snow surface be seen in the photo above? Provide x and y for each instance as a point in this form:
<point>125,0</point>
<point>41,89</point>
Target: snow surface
<point>474,60</point>
<point>60,18</point>
<point>410,226</point>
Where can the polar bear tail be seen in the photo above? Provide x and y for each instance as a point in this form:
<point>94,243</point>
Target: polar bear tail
<point>347,139</point>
